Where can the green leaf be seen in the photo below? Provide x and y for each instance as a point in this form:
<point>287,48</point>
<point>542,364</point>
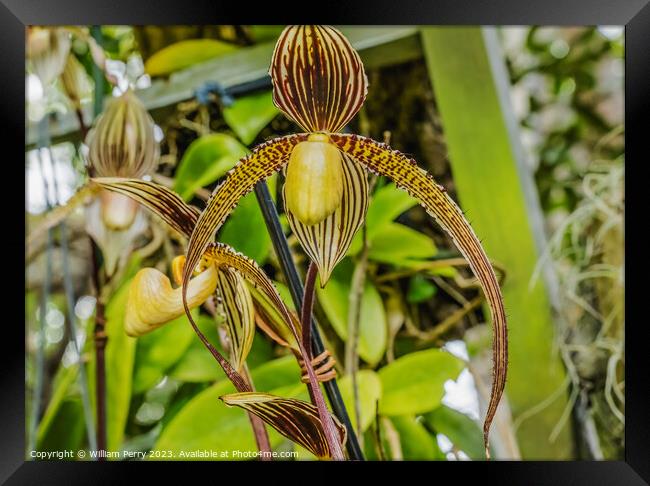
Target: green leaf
<point>400,245</point>
<point>66,429</point>
<point>65,377</point>
<point>197,364</point>
<point>420,289</point>
<point>414,383</point>
<point>417,444</point>
<point>334,299</point>
<point>158,351</point>
<point>184,54</point>
<point>205,423</point>
<point>461,430</point>
<point>248,116</point>
<point>264,33</point>
<point>369,393</point>
<point>205,160</point>
<point>386,204</point>
<point>245,230</point>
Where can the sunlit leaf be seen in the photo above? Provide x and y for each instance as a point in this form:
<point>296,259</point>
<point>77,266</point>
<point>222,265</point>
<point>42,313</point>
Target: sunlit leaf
<point>414,383</point>
<point>416,443</point>
<point>369,393</point>
<point>334,299</point>
<point>205,160</point>
<point>295,419</point>
<point>245,231</point>
<point>186,53</point>
<point>420,289</point>
<point>400,245</point>
<point>249,115</point>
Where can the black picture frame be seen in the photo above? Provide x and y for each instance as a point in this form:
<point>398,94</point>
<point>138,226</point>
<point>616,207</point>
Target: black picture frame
<point>633,14</point>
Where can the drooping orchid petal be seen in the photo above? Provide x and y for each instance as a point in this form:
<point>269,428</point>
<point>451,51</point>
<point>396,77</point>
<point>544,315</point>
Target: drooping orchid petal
<point>382,160</point>
<point>318,78</point>
<point>295,419</point>
<point>240,314</point>
<point>327,242</point>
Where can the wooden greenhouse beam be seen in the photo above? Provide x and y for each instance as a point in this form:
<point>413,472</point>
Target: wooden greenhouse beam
<point>497,192</point>
<point>378,46</point>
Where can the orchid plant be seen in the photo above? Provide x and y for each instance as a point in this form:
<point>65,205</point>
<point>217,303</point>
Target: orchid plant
<point>319,82</point>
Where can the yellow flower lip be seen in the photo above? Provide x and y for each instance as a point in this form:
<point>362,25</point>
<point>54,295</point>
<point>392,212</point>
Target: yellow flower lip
<point>314,179</point>
<point>153,302</point>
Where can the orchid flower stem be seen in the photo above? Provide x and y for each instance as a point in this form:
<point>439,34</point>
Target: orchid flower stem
<point>100,339</point>
<point>313,385</point>
<point>288,267</point>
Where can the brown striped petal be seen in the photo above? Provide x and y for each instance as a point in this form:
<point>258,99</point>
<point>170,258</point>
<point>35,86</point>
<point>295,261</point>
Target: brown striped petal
<point>381,159</point>
<point>295,419</point>
<point>225,256</point>
<point>162,201</point>
<point>271,321</point>
<point>240,314</point>
<point>318,77</point>
<point>262,162</point>
<point>327,242</point>
<point>122,143</point>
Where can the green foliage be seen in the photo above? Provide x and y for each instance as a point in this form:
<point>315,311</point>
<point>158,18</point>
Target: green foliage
<point>420,289</point>
<point>369,387</point>
<point>205,160</point>
<point>334,299</point>
<point>460,429</point>
<point>416,443</point>
<point>414,383</point>
<point>183,54</point>
<point>249,115</point>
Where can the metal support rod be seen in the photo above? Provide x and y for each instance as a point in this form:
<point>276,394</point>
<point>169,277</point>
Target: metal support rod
<point>288,267</point>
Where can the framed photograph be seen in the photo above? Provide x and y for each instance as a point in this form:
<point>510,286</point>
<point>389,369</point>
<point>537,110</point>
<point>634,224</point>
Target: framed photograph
<point>394,236</point>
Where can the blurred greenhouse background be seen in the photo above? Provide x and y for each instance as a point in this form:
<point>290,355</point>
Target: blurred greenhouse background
<point>524,128</point>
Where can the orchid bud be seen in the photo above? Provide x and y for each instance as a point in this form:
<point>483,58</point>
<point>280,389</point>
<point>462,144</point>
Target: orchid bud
<point>75,81</point>
<point>123,143</point>
<point>47,50</point>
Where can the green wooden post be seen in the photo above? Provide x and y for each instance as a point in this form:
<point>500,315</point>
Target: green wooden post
<point>498,196</point>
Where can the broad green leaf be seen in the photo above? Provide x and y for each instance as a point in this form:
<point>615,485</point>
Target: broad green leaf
<point>417,444</point>
<point>157,351</point>
<point>248,116</point>
<point>461,430</point>
<point>334,299</point>
<point>264,33</point>
<point>205,160</point>
<point>400,245</point>
<point>420,289</point>
<point>183,54</point>
<point>492,182</point>
<point>205,423</point>
<point>414,383</point>
<point>369,393</point>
